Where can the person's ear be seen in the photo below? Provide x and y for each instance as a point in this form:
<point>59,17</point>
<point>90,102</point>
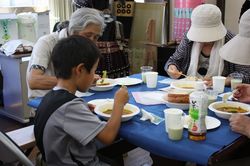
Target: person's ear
<point>80,68</point>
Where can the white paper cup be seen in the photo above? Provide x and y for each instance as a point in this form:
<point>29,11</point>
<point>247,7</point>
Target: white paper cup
<point>219,83</point>
<point>151,79</point>
<point>145,69</point>
<point>174,123</point>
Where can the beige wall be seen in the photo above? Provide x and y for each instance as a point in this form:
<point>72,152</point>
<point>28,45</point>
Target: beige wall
<point>232,14</point>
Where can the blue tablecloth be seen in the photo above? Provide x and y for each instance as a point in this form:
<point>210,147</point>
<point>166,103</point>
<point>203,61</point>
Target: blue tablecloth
<point>154,138</point>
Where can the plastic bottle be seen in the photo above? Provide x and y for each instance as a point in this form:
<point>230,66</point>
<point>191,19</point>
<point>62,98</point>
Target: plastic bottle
<point>197,111</point>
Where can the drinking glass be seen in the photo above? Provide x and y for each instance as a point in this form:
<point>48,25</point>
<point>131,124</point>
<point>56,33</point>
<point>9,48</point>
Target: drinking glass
<point>174,119</point>
<point>145,69</point>
<point>235,80</point>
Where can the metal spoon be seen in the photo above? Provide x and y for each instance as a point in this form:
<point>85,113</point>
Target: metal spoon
<point>225,97</point>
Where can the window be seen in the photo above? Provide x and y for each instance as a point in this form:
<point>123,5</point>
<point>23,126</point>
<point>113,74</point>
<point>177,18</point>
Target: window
<point>140,1</point>
<point>23,3</point>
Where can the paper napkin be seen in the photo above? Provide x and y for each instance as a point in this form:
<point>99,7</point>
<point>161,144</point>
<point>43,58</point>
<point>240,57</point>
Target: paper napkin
<point>150,116</point>
<point>149,97</point>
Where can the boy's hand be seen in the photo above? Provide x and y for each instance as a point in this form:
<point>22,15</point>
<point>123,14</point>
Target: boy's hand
<point>121,96</point>
<point>96,77</point>
<point>91,107</point>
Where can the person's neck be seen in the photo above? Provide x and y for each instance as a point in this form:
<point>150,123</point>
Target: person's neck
<point>67,85</point>
<point>206,50</point>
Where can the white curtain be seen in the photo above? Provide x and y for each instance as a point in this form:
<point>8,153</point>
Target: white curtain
<point>60,10</point>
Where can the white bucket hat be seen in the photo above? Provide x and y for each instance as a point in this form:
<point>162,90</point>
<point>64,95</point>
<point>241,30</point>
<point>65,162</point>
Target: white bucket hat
<point>206,25</point>
<point>237,50</point>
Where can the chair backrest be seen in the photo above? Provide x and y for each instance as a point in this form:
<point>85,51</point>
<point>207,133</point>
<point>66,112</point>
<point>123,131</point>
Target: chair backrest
<point>10,152</point>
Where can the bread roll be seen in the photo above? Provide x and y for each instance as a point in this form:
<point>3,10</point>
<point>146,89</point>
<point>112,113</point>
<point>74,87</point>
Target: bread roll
<point>177,96</point>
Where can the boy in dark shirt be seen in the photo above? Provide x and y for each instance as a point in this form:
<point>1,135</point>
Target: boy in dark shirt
<point>65,127</point>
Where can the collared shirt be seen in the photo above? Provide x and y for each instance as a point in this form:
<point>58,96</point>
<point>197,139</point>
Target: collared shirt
<point>41,56</point>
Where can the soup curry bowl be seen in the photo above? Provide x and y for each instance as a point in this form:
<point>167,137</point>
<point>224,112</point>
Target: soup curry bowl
<point>104,110</point>
<point>226,109</point>
<point>185,85</point>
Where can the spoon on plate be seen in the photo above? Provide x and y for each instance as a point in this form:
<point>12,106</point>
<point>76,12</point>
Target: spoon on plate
<point>226,96</point>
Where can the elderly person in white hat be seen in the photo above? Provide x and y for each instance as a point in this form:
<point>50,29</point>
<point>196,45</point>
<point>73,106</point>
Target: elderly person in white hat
<point>236,53</point>
<point>85,22</point>
<point>198,53</point>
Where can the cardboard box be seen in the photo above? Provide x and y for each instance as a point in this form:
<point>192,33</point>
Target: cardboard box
<point>43,25</point>
<point>8,27</point>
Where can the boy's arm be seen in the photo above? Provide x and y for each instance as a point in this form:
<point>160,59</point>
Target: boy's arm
<point>108,134</point>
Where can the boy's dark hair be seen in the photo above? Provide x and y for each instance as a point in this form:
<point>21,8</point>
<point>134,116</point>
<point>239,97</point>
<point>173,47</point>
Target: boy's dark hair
<point>70,52</point>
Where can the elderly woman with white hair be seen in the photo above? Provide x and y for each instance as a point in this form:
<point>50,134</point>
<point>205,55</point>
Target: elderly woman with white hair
<point>198,53</point>
<point>85,22</point>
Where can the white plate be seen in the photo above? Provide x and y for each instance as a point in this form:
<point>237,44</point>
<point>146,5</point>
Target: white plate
<point>98,102</point>
<point>105,87</point>
<point>109,105</point>
<point>128,81</point>
<point>211,122</point>
<point>182,106</point>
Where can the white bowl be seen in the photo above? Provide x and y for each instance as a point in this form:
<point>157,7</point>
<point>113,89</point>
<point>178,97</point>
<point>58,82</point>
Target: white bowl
<point>182,106</point>
<point>184,85</point>
<point>226,115</point>
<point>111,85</point>
<point>109,105</point>
<point>97,102</point>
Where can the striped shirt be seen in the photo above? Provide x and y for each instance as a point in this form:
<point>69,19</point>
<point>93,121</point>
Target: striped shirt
<point>182,56</point>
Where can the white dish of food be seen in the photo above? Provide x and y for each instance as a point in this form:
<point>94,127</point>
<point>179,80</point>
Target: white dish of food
<point>226,109</point>
<point>105,110</point>
<point>184,85</point>
<point>98,102</point>
<point>104,84</point>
